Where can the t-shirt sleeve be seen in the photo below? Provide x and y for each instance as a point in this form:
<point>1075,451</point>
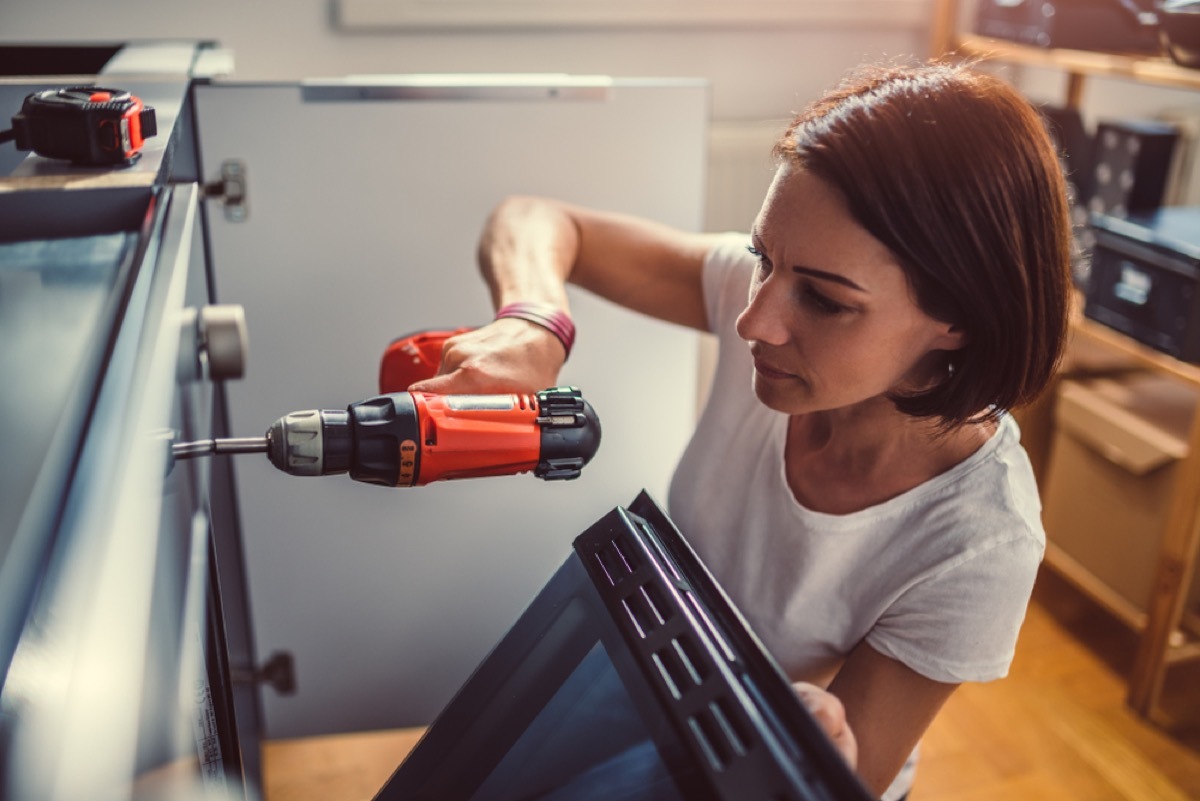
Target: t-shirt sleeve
<point>961,623</point>
<point>727,269</point>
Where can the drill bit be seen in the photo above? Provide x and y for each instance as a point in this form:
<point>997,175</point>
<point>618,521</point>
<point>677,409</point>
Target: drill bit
<point>206,447</point>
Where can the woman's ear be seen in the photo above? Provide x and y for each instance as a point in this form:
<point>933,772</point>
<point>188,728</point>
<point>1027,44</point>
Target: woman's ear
<point>951,337</point>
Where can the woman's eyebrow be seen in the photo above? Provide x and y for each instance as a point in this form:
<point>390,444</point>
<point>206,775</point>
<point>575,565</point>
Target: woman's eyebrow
<point>828,276</point>
<point>812,272</point>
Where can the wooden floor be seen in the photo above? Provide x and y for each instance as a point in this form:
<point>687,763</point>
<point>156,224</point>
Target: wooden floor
<point>1057,727</point>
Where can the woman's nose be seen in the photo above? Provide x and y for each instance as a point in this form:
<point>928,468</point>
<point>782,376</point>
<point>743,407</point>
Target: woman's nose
<point>762,320</point>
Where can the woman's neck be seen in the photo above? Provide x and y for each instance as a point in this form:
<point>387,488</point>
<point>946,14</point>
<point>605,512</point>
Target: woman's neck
<point>846,460</point>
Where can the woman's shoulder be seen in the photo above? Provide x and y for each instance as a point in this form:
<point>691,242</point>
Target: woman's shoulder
<point>992,496</point>
<point>988,499</point>
<point>1005,468</point>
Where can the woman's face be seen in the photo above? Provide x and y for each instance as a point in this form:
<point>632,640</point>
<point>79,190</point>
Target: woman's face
<point>831,320</point>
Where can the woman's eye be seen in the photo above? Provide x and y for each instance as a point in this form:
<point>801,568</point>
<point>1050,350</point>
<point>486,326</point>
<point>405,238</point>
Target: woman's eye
<point>764,264</point>
<point>810,295</point>
<point>821,303</point>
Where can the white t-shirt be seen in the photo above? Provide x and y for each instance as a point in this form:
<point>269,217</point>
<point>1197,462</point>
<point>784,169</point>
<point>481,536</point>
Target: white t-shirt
<point>938,577</point>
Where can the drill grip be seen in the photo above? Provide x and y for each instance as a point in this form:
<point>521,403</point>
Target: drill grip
<point>386,434</point>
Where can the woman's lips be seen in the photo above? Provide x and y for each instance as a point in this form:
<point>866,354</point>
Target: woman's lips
<point>766,370</point>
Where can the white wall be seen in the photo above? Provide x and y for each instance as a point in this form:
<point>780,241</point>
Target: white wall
<point>754,73</point>
<point>758,76</point>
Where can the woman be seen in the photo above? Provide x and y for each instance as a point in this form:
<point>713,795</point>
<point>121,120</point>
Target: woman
<point>855,481</point>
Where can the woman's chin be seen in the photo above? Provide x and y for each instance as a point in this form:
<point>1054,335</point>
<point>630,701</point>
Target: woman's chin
<point>775,397</point>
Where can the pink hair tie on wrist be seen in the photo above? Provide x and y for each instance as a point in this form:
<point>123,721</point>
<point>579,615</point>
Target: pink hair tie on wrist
<point>548,316</point>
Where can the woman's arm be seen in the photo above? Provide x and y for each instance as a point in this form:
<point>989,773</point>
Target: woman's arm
<point>888,706</point>
<point>530,249</point>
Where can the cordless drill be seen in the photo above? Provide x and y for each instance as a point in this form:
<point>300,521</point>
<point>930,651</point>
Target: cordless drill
<point>409,439</point>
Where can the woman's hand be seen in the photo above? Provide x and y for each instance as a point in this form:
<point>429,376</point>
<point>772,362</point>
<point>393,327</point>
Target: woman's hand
<point>831,715</point>
<point>507,355</point>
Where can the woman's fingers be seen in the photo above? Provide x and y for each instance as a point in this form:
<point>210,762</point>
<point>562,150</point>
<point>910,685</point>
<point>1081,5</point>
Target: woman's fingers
<point>508,355</point>
<point>831,715</point>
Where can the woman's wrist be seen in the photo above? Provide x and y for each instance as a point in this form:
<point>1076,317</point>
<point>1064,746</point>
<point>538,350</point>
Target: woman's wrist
<point>546,315</point>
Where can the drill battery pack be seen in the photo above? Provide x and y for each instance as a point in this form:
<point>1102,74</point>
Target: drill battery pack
<point>412,358</point>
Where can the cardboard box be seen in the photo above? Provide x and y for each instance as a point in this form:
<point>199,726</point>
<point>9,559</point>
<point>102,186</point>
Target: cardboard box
<point>1109,482</point>
<point>1083,359</point>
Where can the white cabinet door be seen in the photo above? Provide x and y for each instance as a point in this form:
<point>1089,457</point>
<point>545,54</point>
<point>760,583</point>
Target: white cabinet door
<point>365,199</point>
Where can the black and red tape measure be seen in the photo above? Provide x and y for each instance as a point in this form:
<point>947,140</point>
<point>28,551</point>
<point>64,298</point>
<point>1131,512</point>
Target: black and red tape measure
<point>86,125</point>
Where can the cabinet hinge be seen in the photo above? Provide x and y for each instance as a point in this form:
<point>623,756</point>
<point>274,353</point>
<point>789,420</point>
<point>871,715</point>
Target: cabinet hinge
<point>230,189</point>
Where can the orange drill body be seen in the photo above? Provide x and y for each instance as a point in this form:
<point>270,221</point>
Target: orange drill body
<point>464,436</point>
<point>410,439</point>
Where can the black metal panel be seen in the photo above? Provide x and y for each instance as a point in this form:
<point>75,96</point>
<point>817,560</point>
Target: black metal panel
<point>631,676</point>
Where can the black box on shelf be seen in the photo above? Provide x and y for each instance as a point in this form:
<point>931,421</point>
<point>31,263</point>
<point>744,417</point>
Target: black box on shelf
<point>1104,25</point>
<point>1076,148</point>
<point>1075,154</point>
<point>1144,275</point>
<point>1132,166</point>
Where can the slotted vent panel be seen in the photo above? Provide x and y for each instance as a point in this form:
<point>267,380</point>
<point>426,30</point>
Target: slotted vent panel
<point>666,560</point>
<point>643,611</point>
<point>729,724</point>
<point>680,671</point>
<point>697,669</point>
<point>716,757</point>
<point>771,720</point>
<point>670,674</point>
<point>616,561</point>
<point>714,731</point>
<point>711,628</point>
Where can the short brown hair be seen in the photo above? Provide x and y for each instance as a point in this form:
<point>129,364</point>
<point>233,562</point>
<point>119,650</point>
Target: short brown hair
<point>954,171</point>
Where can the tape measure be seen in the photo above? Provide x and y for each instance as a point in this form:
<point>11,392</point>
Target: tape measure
<point>87,125</point>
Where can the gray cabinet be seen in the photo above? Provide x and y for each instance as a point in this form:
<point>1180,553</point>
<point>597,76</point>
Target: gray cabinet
<point>120,568</point>
<point>364,201</point>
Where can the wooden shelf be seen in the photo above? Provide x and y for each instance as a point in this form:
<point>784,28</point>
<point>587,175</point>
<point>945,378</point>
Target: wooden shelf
<point>1139,354</point>
<point>1161,641</point>
<point>1159,71</point>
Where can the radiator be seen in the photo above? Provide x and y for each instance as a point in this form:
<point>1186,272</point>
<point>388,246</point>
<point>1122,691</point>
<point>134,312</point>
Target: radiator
<point>739,171</point>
